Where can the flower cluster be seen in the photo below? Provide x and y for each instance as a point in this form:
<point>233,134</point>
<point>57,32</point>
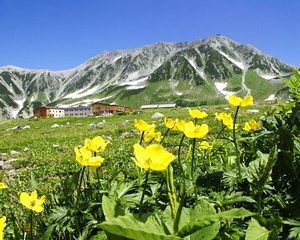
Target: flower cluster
<point>147,131</point>
<point>86,155</point>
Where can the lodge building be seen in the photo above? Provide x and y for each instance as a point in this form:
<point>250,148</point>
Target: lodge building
<point>49,112</point>
<point>96,109</point>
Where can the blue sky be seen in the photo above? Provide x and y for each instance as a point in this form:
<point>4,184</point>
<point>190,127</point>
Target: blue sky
<point>61,34</point>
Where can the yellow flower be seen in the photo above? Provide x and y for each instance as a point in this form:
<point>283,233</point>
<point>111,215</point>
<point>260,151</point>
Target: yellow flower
<point>180,125</point>
<point>2,226</point>
<point>32,201</point>
<point>196,113</point>
<point>153,157</point>
<point>235,101</point>
<point>226,119</point>
<point>142,126</point>
<point>195,131</point>
<point>85,157</point>
<point>251,126</point>
<point>205,145</point>
<point>151,134</point>
<point>2,185</point>
<point>170,123</point>
<point>97,144</point>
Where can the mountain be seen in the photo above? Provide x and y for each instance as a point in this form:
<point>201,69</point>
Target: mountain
<point>198,72</point>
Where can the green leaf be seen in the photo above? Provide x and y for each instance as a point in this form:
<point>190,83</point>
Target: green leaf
<point>108,206</point>
<point>130,227</point>
<point>207,232</point>
<point>256,232</point>
<point>206,220</point>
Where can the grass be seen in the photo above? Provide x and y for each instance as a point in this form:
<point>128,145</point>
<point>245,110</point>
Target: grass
<point>47,153</point>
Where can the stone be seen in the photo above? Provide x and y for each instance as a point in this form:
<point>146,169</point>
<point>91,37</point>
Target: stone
<point>92,126</point>
<point>4,165</point>
<point>55,126</point>
<point>157,115</point>
<point>14,153</point>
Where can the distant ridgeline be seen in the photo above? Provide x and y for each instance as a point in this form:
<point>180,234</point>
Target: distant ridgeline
<point>186,73</point>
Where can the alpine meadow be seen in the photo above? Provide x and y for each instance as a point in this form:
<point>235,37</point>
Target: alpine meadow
<point>222,163</point>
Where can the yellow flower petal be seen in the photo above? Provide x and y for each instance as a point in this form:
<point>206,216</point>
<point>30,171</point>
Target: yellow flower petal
<point>142,126</point>
<point>195,131</point>
<point>196,113</point>
<point>97,144</point>
<point>169,122</point>
<point>235,101</point>
<point>32,201</point>
<point>2,185</point>
<point>2,226</point>
<point>153,157</point>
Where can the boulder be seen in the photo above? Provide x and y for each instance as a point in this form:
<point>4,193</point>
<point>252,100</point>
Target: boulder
<point>157,115</point>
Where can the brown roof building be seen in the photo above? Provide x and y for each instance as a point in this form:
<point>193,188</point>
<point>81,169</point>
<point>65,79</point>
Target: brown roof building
<point>103,108</point>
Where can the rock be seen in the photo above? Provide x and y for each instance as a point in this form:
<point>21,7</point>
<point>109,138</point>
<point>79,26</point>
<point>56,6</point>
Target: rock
<point>26,149</point>
<point>101,124</point>
<point>19,127</point>
<point>4,165</point>
<point>157,115</point>
<point>55,126</point>
<point>14,153</point>
<point>92,126</point>
<point>125,135</point>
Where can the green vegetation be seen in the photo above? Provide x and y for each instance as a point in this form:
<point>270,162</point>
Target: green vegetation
<point>231,190</point>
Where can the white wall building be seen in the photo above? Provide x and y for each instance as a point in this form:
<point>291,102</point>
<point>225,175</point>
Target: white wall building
<point>80,111</point>
<point>57,112</point>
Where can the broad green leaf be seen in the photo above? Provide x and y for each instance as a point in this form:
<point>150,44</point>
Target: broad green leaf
<point>207,220</point>
<point>108,207</point>
<point>256,232</point>
<point>130,227</point>
<point>207,232</point>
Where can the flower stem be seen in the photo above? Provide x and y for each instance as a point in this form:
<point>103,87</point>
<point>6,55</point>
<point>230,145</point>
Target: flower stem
<point>164,135</point>
<point>193,157</point>
<point>223,127</point>
<point>142,136</point>
<point>144,191</point>
<point>171,191</point>
<point>179,151</point>
<point>237,152</point>
<point>31,223</point>
<point>79,186</point>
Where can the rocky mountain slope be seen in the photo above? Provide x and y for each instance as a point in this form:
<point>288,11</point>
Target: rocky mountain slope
<point>198,72</point>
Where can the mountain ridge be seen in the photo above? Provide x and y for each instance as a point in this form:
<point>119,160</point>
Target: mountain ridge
<point>196,72</point>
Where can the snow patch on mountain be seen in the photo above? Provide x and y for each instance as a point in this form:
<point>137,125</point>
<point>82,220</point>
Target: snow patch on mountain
<point>135,87</point>
<point>237,63</point>
<point>82,92</point>
<point>85,102</point>
<point>200,71</point>
<point>272,97</point>
<point>136,82</point>
<point>14,111</point>
<point>220,86</point>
